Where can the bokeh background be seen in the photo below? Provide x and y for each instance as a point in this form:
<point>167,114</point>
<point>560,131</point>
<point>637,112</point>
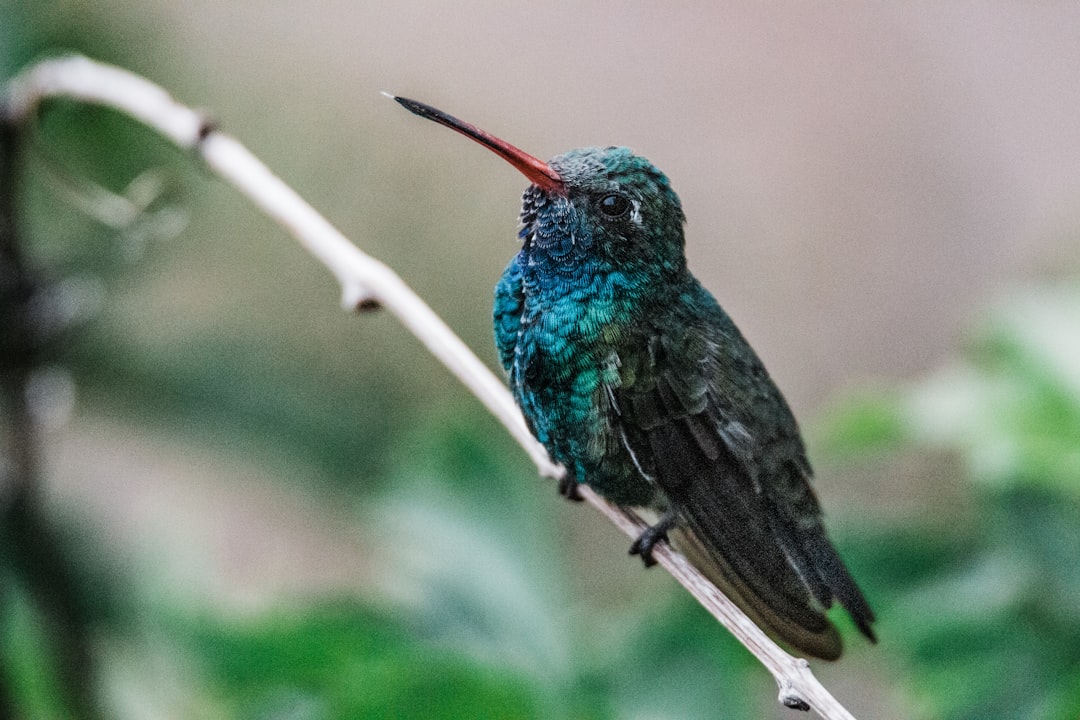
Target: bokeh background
<point>252,505</point>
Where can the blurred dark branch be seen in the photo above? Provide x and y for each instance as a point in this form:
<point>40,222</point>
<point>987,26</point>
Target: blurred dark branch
<point>16,337</point>
<point>30,545</point>
<point>16,458</point>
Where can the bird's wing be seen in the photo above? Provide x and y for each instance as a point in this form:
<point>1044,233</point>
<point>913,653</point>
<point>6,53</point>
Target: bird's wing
<point>729,460</point>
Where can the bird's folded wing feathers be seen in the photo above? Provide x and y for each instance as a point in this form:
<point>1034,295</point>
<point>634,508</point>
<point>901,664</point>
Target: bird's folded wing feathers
<point>748,517</point>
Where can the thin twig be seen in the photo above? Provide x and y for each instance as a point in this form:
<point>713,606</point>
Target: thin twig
<point>364,280</point>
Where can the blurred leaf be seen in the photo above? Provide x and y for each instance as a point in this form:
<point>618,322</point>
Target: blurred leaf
<point>59,590</point>
<point>1013,409</point>
<point>861,422</point>
<point>29,682</point>
<point>347,661</point>
<point>985,613</point>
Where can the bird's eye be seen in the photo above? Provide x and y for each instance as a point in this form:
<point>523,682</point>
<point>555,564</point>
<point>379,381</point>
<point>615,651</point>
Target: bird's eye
<point>615,205</point>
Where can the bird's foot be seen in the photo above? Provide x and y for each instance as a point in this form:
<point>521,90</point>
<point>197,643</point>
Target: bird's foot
<point>568,488</point>
<point>648,539</point>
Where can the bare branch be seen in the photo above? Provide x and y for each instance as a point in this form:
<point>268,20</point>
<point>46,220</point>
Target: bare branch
<point>363,280</point>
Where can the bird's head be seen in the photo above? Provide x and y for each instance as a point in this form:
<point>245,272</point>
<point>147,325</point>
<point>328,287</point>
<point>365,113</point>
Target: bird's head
<point>591,205</point>
<point>612,205</point>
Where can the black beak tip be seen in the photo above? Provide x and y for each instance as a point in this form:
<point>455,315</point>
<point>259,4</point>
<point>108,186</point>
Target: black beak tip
<point>414,106</point>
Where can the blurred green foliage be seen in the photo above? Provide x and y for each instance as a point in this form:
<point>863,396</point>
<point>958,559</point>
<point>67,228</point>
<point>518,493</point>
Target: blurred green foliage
<point>346,660</point>
<point>985,608</point>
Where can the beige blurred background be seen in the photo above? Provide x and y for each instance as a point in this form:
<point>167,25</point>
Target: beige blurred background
<point>858,177</point>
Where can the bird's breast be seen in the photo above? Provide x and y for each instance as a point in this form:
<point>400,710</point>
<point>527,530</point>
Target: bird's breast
<point>569,332</point>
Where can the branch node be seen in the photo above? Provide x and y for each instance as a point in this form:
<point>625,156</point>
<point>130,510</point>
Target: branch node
<point>358,298</point>
<point>368,305</point>
<point>207,125</point>
<point>790,698</point>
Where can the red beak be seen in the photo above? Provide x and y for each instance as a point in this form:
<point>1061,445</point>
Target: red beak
<point>537,171</point>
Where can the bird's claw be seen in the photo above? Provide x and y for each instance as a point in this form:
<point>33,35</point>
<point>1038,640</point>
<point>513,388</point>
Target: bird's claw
<point>568,488</point>
<point>648,539</point>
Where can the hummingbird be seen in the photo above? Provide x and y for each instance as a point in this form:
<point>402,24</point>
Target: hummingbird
<point>634,378</point>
